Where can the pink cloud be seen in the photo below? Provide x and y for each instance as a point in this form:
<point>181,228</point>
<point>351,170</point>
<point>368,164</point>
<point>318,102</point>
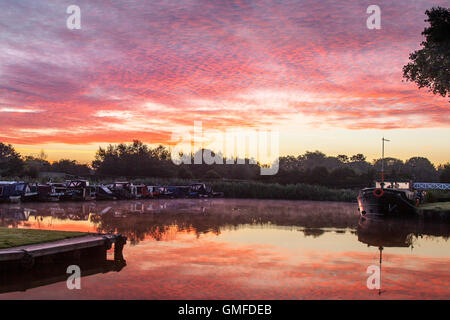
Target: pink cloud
<point>131,53</point>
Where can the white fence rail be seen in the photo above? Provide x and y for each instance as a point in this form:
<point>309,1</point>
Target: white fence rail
<point>431,186</point>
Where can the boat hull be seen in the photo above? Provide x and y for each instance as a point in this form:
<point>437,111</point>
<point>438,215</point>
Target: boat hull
<point>389,202</point>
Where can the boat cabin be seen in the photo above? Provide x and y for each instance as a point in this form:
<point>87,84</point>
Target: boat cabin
<point>405,187</point>
<point>13,191</point>
<point>123,190</point>
<point>80,190</point>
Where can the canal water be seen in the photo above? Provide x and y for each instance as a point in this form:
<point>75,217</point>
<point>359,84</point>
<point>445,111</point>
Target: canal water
<point>244,249</point>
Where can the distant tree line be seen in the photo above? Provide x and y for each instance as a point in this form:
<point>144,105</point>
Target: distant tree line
<point>13,164</point>
<point>136,159</point>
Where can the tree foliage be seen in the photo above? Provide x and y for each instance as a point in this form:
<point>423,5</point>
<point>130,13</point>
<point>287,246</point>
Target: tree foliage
<point>444,173</point>
<point>10,161</point>
<point>70,167</point>
<point>430,66</point>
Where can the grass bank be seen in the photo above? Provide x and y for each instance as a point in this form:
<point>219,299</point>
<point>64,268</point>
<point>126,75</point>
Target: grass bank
<point>10,237</point>
<point>437,206</point>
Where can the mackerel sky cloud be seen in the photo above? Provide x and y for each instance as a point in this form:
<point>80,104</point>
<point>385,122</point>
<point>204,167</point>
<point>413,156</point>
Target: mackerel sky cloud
<point>140,69</point>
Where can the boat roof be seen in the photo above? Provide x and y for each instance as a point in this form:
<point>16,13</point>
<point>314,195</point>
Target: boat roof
<point>11,182</point>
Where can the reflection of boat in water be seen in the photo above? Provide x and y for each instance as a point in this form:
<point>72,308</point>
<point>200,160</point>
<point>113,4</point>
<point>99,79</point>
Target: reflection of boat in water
<point>139,218</point>
<point>14,215</point>
<point>395,232</point>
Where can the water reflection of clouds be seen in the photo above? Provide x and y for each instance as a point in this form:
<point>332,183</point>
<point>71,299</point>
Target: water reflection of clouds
<point>222,270</point>
<point>264,250</point>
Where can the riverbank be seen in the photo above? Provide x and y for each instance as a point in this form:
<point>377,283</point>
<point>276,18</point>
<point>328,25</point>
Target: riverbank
<point>437,206</point>
<point>437,209</point>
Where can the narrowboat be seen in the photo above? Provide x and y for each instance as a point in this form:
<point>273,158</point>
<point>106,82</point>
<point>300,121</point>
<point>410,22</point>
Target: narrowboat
<point>123,190</point>
<point>158,191</point>
<point>200,190</point>
<point>148,192</point>
<point>144,192</point>
<point>178,191</point>
<point>47,192</point>
<point>61,188</point>
<point>13,191</point>
<point>103,193</point>
<point>80,190</point>
<point>140,191</point>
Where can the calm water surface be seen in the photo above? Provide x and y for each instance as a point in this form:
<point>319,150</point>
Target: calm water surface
<point>245,249</point>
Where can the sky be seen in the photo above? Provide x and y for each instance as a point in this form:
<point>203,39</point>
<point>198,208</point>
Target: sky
<point>310,70</point>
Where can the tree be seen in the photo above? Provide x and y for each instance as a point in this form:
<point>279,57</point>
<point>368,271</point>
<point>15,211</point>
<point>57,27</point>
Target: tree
<point>10,161</point>
<point>211,174</point>
<point>134,159</point>
<point>185,173</point>
<point>319,175</point>
<point>358,158</point>
<point>314,159</point>
<point>42,155</point>
<point>343,158</point>
<point>393,168</point>
<point>71,167</point>
<point>430,66</point>
<point>444,173</point>
<point>32,166</point>
<point>420,169</point>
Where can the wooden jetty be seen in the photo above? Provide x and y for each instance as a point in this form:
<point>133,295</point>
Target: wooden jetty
<point>71,249</point>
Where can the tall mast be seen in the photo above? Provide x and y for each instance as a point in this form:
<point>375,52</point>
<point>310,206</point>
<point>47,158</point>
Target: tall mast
<point>382,161</point>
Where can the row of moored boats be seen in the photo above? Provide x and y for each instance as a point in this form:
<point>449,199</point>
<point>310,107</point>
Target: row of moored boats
<point>82,190</point>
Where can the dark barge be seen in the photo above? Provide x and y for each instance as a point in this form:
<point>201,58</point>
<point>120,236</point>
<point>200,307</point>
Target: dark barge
<point>387,202</point>
<point>393,199</point>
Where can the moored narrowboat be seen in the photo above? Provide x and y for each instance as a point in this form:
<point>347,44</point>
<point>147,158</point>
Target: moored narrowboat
<point>123,190</point>
<point>13,191</point>
<point>103,193</point>
<point>178,191</point>
<point>140,191</point>
<point>61,189</point>
<point>200,190</point>
<point>147,192</point>
<point>80,190</point>
<point>47,192</point>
